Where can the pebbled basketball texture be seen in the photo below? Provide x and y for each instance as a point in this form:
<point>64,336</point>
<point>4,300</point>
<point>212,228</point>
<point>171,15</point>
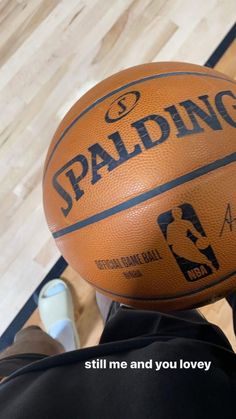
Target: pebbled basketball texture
<point>139,186</point>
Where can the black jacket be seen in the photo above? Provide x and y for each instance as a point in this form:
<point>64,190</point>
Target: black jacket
<point>61,386</point>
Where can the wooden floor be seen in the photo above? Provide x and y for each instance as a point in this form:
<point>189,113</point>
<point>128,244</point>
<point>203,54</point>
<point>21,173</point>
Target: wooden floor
<point>51,52</point>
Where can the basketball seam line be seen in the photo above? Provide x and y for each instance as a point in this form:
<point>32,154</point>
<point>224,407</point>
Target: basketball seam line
<point>158,190</point>
<point>156,76</point>
<point>163,298</point>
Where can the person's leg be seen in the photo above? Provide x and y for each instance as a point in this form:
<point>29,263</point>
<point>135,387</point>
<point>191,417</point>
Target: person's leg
<point>56,311</point>
<point>33,340</point>
<point>108,308</point>
<point>193,315</point>
<point>104,305</point>
<point>125,322</point>
<point>30,344</point>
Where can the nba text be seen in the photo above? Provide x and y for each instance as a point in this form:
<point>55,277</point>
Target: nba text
<point>197,273</point>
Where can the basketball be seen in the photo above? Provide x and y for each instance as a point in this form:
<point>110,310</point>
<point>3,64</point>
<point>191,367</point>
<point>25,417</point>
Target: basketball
<point>139,186</point>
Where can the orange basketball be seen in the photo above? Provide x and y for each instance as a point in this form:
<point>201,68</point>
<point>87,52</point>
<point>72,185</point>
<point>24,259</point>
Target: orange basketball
<point>140,186</point>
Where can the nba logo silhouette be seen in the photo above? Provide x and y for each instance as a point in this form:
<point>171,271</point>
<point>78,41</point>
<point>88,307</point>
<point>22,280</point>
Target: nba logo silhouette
<point>188,242</point>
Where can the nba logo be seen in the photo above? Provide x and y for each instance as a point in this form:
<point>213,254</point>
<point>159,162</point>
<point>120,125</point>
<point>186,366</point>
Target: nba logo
<point>188,242</point>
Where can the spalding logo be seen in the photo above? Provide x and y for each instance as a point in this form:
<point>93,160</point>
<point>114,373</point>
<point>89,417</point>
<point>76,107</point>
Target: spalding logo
<point>176,121</point>
<point>121,106</point>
